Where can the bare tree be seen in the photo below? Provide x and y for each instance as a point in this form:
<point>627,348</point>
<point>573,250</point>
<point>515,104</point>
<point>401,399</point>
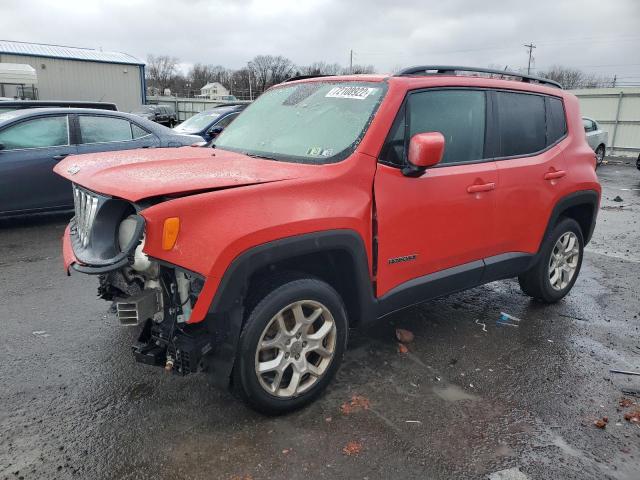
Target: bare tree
<point>239,83</point>
<point>268,70</point>
<point>281,69</point>
<point>160,70</point>
<point>321,68</point>
<point>571,78</point>
<point>260,68</point>
<point>359,69</point>
<point>201,74</point>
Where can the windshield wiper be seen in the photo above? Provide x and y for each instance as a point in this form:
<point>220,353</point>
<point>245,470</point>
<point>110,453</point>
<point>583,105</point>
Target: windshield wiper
<point>255,155</point>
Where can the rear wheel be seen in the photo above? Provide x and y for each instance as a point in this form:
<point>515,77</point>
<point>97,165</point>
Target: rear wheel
<point>600,155</point>
<point>291,346</point>
<point>556,271</point>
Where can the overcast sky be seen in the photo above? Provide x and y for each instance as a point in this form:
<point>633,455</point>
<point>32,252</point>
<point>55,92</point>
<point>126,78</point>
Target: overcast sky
<point>601,36</point>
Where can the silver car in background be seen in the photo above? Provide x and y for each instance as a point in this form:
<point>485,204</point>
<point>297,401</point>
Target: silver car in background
<point>596,137</point>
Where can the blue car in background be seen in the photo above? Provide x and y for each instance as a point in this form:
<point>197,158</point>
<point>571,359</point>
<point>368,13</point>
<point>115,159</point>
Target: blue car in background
<point>210,123</point>
<point>32,141</point>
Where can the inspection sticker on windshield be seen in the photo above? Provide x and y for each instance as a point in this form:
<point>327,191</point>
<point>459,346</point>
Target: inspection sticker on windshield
<point>356,93</point>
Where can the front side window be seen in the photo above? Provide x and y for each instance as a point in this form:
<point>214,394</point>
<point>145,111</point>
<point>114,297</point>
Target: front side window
<point>312,122</point>
<point>458,114</point>
<point>104,129</point>
<point>522,124</point>
<point>36,133</point>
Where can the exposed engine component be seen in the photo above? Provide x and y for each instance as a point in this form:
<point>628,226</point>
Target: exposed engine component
<point>185,300</point>
<point>138,308</point>
<point>116,284</point>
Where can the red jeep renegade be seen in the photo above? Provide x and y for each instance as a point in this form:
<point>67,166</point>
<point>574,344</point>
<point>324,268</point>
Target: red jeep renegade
<point>328,203</point>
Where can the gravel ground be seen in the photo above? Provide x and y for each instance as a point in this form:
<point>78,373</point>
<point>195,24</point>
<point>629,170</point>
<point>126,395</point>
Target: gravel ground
<point>468,400</point>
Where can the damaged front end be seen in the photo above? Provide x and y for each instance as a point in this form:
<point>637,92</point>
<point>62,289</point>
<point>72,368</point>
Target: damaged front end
<point>107,237</point>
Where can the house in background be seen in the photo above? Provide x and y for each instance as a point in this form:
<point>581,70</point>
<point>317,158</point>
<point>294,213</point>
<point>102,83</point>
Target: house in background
<point>215,91</point>
<point>72,73</point>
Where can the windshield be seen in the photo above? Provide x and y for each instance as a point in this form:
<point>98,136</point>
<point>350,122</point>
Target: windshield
<point>198,122</point>
<point>314,122</point>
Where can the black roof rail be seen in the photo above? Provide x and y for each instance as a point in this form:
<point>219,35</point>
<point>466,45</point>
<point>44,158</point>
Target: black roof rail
<point>304,77</point>
<point>451,70</point>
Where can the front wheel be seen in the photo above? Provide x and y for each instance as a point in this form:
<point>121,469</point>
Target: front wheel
<point>291,346</point>
<point>554,274</point>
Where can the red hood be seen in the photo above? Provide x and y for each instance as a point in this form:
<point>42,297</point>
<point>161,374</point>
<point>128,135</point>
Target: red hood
<point>144,173</point>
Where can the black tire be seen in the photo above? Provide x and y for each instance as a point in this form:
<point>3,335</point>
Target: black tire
<point>600,152</point>
<point>536,282</point>
<point>283,292</point>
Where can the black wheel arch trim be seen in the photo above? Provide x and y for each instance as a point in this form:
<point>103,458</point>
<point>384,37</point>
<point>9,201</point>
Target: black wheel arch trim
<point>226,313</point>
<point>582,197</point>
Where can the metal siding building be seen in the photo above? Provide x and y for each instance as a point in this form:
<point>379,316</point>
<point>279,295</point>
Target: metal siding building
<point>617,110</point>
<point>70,73</point>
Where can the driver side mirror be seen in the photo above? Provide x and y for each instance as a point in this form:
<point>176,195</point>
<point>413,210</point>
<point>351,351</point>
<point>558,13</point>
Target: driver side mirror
<point>425,150</point>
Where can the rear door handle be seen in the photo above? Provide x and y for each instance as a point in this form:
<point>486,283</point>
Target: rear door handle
<point>485,187</point>
<point>62,156</point>
<point>554,175</point>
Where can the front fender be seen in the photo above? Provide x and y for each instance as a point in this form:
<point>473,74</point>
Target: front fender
<point>225,315</point>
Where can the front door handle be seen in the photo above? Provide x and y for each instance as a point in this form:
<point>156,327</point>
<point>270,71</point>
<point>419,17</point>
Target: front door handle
<point>554,175</point>
<point>485,187</point>
<point>61,156</point>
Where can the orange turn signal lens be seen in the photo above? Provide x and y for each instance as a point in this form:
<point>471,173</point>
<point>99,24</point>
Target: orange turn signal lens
<point>170,232</point>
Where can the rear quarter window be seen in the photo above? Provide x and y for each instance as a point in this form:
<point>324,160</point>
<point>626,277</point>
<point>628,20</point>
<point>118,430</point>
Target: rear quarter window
<point>556,120</point>
<point>522,123</point>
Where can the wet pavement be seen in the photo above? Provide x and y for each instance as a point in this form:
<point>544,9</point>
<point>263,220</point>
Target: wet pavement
<point>469,399</point>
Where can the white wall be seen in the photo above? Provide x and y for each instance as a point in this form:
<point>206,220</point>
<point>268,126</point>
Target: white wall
<point>616,110</point>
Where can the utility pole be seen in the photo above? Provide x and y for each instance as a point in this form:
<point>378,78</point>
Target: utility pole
<point>615,78</point>
<point>351,61</point>
<point>531,46</point>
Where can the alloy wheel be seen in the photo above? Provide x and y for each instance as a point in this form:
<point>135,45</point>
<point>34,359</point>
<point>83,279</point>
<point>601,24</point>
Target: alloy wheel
<point>296,348</point>
<point>564,261</point>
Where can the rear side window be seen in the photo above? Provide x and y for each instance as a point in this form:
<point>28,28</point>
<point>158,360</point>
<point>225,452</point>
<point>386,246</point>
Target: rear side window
<point>522,123</point>
<point>36,133</point>
<point>458,114</point>
<point>104,129</point>
<point>556,121</point>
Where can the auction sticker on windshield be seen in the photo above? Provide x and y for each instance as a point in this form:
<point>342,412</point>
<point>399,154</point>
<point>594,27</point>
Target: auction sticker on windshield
<point>357,93</point>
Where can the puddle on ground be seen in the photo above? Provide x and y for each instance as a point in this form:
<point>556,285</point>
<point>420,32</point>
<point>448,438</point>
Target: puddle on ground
<point>453,393</point>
